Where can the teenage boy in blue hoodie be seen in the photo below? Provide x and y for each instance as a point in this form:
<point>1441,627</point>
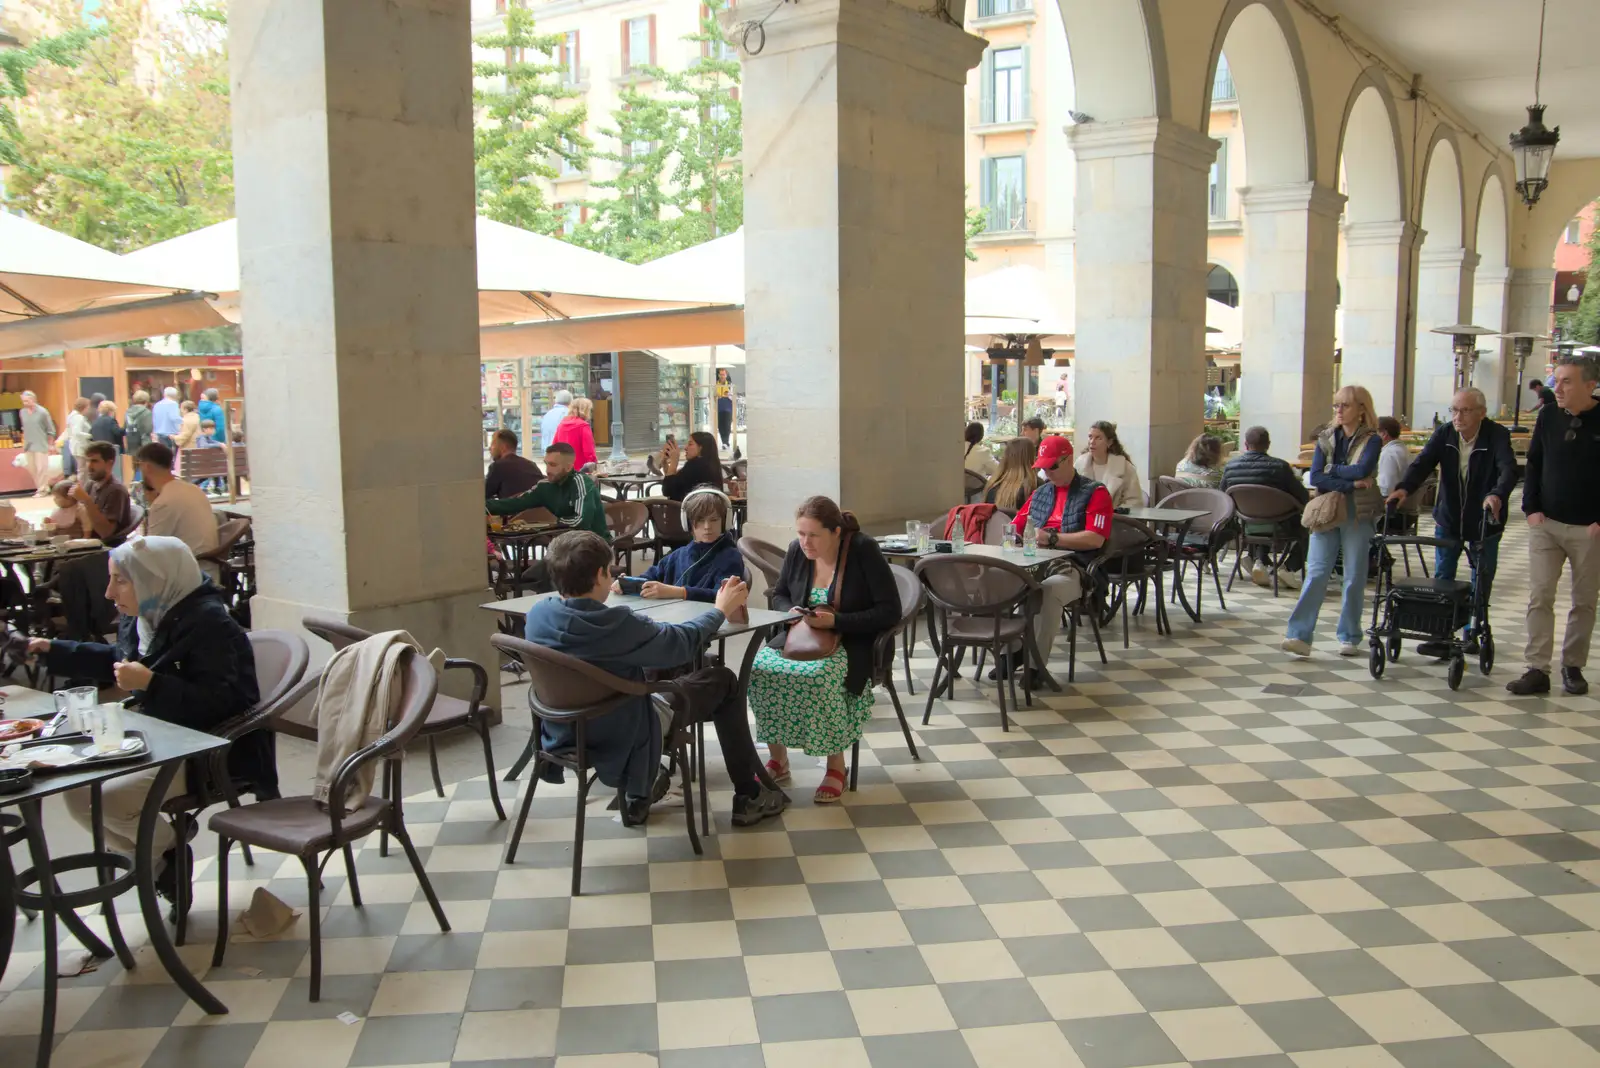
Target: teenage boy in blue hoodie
<point>624,746</point>
<point>695,572</point>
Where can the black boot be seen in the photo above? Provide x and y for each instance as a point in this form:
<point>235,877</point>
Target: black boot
<point>1533,681</point>
<point>1573,682</point>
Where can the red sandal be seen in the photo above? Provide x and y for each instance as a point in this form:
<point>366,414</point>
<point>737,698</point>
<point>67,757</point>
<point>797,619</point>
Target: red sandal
<point>827,794</point>
<point>778,773</point>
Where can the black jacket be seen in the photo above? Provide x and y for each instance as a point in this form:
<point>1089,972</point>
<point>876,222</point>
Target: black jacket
<point>1262,469</point>
<point>510,476</point>
<point>1492,469</point>
<point>700,471</point>
<point>204,676</point>
<point>105,428</point>
<point>868,602</point>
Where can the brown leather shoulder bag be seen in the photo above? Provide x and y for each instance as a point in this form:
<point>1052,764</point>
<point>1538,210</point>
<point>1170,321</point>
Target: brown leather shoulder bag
<point>805,642</point>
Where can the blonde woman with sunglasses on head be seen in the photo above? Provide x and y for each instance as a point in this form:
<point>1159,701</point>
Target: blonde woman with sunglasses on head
<point>1346,461</point>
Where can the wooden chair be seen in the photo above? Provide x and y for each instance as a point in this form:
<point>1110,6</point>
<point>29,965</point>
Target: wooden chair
<point>280,659</point>
<point>564,689</point>
<point>445,714</point>
<point>306,829</point>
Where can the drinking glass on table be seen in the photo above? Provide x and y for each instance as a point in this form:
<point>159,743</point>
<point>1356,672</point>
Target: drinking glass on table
<point>75,704</point>
<point>104,724</point>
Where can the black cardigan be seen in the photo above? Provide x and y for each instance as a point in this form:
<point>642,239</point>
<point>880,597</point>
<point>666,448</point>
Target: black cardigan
<point>204,674</point>
<point>868,602</point>
<point>700,471</point>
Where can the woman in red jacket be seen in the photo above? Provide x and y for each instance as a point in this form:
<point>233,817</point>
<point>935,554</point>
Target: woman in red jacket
<point>575,431</point>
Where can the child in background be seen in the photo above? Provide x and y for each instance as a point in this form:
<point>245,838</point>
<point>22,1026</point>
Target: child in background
<point>208,436</point>
<point>64,520</point>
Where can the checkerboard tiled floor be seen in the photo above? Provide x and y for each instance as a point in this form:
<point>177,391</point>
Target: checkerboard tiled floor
<point>1203,853</point>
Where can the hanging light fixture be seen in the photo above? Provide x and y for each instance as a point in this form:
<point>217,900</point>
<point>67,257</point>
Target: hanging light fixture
<point>1534,145</point>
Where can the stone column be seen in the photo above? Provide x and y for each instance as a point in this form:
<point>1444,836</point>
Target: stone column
<point>1529,294</point>
<point>352,124</point>
<point>854,159</point>
<point>1489,288</point>
<point>1141,244</point>
<point>1444,298</point>
<point>1376,333</point>
<point>1291,235</point>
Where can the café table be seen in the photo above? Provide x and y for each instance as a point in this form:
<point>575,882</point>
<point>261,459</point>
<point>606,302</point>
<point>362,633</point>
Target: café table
<point>517,546</point>
<point>1176,520</point>
<point>626,484</point>
<point>36,888</point>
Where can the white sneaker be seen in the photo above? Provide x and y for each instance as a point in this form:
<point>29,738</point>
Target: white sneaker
<point>1349,649</point>
<point>1296,647</point>
<point>1290,579</point>
<point>1258,575</point>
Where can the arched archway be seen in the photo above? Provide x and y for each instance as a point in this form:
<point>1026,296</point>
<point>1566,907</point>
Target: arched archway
<point>1495,373</point>
<point>1289,223</point>
<point>1221,285</point>
<point>1378,244</point>
<point>1444,280</point>
<point>1118,58</point>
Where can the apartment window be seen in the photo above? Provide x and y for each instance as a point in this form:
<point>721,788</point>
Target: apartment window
<point>1004,193</point>
<point>1222,90</point>
<point>572,216</point>
<point>1004,77</point>
<point>639,43</point>
<point>1574,232</point>
<point>719,49</point>
<point>499,7</point>
<point>568,165</point>
<point>1219,182</point>
<point>1221,286</point>
<point>568,58</point>
<point>991,8</point>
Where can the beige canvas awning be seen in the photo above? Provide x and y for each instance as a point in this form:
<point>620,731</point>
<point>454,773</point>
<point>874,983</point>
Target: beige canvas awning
<point>673,329</point>
<point>102,326</point>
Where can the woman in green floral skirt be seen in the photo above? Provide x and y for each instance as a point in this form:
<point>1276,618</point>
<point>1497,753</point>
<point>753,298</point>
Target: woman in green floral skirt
<point>820,706</point>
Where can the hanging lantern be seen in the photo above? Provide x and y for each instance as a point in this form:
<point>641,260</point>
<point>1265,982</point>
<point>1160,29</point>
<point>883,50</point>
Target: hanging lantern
<point>1534,146</point>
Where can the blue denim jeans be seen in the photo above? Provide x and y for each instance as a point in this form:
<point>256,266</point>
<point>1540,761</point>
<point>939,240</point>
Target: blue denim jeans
<point>1353,536</point>
<point>1446,560</point>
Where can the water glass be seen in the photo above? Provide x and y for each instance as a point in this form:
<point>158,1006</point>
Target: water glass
<point>104,724</point>
<point>75,704</point>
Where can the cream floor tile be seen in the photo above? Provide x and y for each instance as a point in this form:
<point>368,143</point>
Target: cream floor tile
<point>930,892</point>
<point>791,973</point>
<point>608,984</point>
<point>1085,995</point>
<point>536,882</point>
<point>1495,852</point>
<point>413,993</point>
<point>351,956</point>
<point>702,1024</point>
<point>1578,950</point>
<point>19,1010</point>
<point>984,860</point>
<point>248,1001</point>
<point>895,839</point>
<point>1325,896</point>
<point>697,874</point>
<point>692,941</point>
<point>1080,882</point>
<point>468,916</point>
<point>1177,908</point>
<point>1006,1047</point>
<point>770,902</point>
<point>1453,923</point>
<point>1427,965</point>
<point>605,1060</point>
<point>523,949</point>
<point>1259,980</point>
<point>106,1049</point>
<point>1391,1016</point>
<point>838,868</point>
<point>1480,884</point>
<point>901,1010</point>
<point>506,1035</point>
<point>833,1052</point>
<point>865,930</point>
<point>934,813</point>
<point>1351,1057</point>
<point>1023,919</point>
<point>1571,1001</point>
<point>1032,831</point>
<point>1543,1049</point>
<point>610,910</point>
<point>1113,851</point>
<point>1300,934</point>
<point>1164,821</point>
<point>1216,872</point>
<point>1145,948</point>
<point>1211,1034</point>
<point>1357,861</point>
<point>966,962</point>
<point>305,1044</point>
<point>1582,907</point>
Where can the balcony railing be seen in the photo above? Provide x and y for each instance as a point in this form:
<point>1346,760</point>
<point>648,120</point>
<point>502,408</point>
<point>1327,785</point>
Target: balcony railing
<point>988,9</point>
<point>1222,91</point>
<point>1000,112</point>
<point>1006,214</point>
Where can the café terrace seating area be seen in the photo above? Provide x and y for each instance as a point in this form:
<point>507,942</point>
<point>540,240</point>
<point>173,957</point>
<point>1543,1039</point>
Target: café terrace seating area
<point>1198,851</point>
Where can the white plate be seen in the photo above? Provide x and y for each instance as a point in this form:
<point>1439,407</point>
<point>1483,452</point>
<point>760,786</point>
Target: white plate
<point>85,543</point>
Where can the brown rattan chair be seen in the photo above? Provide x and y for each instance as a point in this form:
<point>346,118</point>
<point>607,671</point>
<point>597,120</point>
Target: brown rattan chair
<point>1264,506</point>
<point>1165,486</point>
<point>911,603</point>
<point>230,533</point>
<point>766,558</point>
<point>306,829</point>
<point>627,520</point>
<point>1204,540</point>
<point>280,660</point>
<point>564,689</point>
<point>1133,555</point>
<point>980,604</point>
<point>666,519</point>
<point>447,714</point>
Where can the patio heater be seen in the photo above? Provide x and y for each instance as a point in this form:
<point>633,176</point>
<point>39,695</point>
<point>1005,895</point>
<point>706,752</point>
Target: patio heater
<point>618,451</point>
<point>1521,349</point>
<point>1464,344</point>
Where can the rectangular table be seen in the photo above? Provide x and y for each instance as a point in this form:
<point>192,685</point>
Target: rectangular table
<point>1164,515</point>
<point>1041,558</point>
<point>1178,519</point>
<point>170,746</point>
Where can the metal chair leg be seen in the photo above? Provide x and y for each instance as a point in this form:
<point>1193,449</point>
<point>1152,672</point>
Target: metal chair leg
<point>350,873</point>
<point>224,922</point>
<point>481,724</point>
<point>404,837</point>
<point>905,728</point>
<point>522,814</point>
<point>433,765</point>
<point>314,912</point>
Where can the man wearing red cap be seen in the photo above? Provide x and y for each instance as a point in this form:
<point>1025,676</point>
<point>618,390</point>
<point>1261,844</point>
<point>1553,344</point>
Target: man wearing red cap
<point>1070,512</point>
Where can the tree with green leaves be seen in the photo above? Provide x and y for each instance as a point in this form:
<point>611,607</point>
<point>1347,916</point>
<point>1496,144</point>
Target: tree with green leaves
<point>1584,324</point>
<point>977,221</point>
<point>524,130</point>
<point>679,181</point>
<point>133,144</point>
<point>63,50</point>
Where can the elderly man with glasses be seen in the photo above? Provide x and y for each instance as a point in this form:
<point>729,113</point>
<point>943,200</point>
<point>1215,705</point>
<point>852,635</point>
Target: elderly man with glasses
<point>1477,471</point>
<point>1561,495</point>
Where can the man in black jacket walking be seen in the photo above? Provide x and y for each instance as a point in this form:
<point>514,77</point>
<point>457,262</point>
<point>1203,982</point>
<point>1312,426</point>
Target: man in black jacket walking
<point>1254,467</point>
<point>1477,471</point>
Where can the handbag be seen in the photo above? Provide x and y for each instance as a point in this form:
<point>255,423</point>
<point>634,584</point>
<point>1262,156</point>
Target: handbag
<point>1323,512</point>
<point>805,642</point>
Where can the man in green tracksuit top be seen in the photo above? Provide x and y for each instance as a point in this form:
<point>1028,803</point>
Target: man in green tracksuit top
<point>571,496</point>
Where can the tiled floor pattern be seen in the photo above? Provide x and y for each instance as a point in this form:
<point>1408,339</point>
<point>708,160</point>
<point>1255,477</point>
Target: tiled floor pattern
<point>1203,853</point>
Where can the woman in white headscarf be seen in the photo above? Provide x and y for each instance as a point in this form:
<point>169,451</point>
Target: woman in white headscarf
<point>184,660</point>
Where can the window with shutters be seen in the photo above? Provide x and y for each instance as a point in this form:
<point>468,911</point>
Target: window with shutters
<point>988,9</point>
<point>1003,192</point>
<point>1003,80</point>
<point>1219,181</point>
<point>720,49</point>
<point>569,166</point>
<point>571,72</point>
<point>638,43</point>
<point>1574,234</point>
